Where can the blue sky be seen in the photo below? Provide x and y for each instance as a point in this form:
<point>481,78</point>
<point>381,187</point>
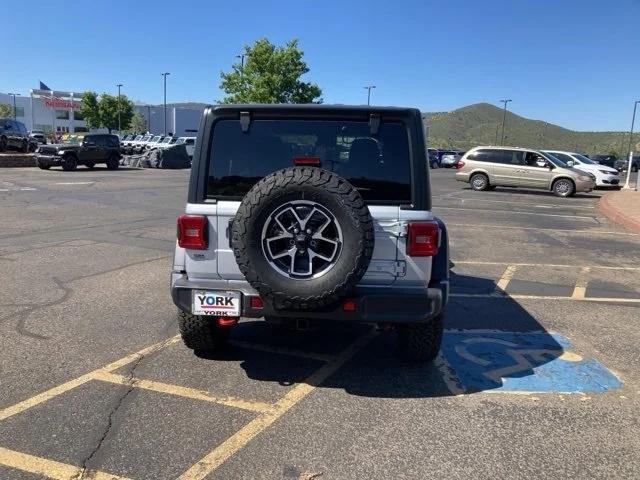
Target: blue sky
<point>572,62</point>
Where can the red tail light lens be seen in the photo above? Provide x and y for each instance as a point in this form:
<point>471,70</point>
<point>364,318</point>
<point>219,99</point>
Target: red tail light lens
<point>192,232</point>
<point>422,239</point>
<point>304,161</point>
<point>459,164</point>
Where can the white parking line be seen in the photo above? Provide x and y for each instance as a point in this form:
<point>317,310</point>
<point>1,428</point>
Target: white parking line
<point>73,183</point>
<point>27,189</point>
<point>524,204</point>
<point>568,217</point>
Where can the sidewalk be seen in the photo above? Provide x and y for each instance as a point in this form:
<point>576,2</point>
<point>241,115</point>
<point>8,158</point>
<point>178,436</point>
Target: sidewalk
<point>14,159</point>
<point>622,207</point>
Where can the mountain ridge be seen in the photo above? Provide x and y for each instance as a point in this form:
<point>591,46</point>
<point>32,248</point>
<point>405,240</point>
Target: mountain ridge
<point>481,124</point>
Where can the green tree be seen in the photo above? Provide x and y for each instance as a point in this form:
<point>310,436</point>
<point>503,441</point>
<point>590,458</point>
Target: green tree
<point>103,111</point>
<point>89,110</point>
<point>6,110</point>
<point>270,74</point>
<point>138,123</point>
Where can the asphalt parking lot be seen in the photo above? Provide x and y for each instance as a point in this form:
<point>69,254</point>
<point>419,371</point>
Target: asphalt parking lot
<point>539,375</point>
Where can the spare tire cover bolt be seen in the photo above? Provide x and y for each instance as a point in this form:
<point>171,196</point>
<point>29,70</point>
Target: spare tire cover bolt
<point>295,230</point>
<point>309,231</point>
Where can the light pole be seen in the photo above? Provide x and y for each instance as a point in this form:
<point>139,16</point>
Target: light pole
<point>241,57</point>
<point>149,118</point>
<point>544,133</point>
<point>504,116</point>
<point>14,103</point>
<point>633,120</point>
<point>119,85</point>
<point>165,101</point>
<point>368,89</point>
<point>497,127</point>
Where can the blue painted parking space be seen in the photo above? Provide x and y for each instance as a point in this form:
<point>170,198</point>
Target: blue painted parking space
<point>523,362</point>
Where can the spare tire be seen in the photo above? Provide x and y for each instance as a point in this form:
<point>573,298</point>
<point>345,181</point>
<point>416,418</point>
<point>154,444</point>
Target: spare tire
<point>303,238</point>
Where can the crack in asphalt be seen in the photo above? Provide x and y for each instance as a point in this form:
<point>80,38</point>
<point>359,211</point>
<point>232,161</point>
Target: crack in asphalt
<point>25,312</point>
<point>131,382</point>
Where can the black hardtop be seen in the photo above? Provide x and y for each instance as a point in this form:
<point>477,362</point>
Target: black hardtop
<point>312,109</point>
<point>411,117</point>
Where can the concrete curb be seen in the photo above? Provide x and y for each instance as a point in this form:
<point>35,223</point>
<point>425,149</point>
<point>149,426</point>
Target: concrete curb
<point>17,160</point>
<point>613,213</point>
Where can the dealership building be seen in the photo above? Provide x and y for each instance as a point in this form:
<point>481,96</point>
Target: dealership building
<point>58,111</point>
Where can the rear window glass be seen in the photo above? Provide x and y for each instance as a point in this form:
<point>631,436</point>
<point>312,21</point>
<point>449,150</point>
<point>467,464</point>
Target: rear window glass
<point>378,166</point>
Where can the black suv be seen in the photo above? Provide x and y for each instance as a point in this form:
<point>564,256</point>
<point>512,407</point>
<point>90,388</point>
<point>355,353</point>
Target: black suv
<point>87,151</point>
<point>608,160</point>
<point>623,164</point>
<point>13,134</point>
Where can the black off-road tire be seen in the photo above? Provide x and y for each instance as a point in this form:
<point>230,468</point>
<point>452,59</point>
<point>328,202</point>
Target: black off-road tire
<point>336,195</point>
<point>3,143</point>
<point>42,166</point>
<point>69,163</point>
<point>90,165</point>
<point>420,342</point>
<point>201,333</point>
<point>113,163</point>
<point>479,182</point>
<point>563,187</point>
<point>24,148</point>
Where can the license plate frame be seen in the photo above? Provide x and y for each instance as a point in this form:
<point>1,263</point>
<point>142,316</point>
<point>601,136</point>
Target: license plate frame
<point>205,302</point>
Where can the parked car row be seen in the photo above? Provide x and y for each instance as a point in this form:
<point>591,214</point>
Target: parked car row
<point>137,144</point>
<point>563,173</point>
<point>14,135</point>
<point>443,158</point>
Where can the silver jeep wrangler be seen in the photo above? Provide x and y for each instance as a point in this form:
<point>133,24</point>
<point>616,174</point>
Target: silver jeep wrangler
<point>312,212</point>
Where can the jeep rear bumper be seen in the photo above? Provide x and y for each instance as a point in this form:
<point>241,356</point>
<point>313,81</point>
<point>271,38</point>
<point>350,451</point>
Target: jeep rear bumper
<point>372,304</point>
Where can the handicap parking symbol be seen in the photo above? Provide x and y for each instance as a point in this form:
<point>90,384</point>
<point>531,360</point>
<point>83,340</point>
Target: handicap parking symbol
<point>523,362</point>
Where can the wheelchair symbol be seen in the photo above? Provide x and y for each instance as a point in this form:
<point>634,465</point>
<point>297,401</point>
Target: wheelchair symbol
<point>524,359</point>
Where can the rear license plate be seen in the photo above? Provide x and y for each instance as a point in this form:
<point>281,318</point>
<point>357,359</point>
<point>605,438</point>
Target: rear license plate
<point>216,302</point>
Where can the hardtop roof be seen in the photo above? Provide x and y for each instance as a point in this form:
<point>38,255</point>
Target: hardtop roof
<point>315,108</point>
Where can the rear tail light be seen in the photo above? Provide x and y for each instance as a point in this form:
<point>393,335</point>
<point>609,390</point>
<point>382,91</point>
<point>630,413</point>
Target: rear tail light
<point>422,239</point>
<point>192,232</point>
<point>349,305</point>
<point>226,321</point>
<point>256,303</point>
<point>459,164</point>
<point>304,161</point>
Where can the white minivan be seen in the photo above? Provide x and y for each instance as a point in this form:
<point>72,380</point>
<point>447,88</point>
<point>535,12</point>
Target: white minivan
<point>605,176</point>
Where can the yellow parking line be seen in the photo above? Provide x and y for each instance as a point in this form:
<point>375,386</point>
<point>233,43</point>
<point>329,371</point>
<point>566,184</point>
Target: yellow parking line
<point>237,441</point>
<point>49,468</point>
<point>554,230</point>
<point>544,297</point>
<point>44,396</point>
<point>603,267</point>
<point>282,351</point>
<point>76,382</point>
<point>180,391</point>
<point>581,284</point>
<point>506,277</point>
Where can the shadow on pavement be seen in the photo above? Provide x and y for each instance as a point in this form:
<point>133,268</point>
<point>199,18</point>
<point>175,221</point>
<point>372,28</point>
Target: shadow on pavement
<point>481,356</point>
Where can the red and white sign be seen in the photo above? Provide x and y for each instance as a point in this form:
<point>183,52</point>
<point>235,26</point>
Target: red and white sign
<point>55,102</point>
